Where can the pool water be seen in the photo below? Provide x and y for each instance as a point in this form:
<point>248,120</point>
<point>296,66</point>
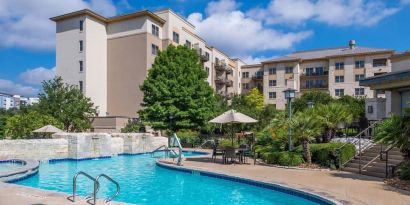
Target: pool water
<point>143,182</point>
<point>9,166</point>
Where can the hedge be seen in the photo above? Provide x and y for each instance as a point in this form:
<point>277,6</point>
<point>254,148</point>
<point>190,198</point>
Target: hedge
<point>326,154</point>
<point>283,158</point>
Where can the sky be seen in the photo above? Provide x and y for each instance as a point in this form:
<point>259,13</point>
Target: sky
<point>251,30</point>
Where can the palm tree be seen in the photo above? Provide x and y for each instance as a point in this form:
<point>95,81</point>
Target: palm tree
<point>331,116</point>
<point>305,126</point>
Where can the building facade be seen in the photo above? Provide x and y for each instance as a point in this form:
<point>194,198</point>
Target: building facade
<point>8,101</point>
<point>335,70</point>
<point>109,58</point>
<point>396,86</point>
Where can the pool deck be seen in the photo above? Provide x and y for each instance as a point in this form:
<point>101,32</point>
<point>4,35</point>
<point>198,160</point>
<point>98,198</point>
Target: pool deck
<point>345,187</point>
<point>12,194</point>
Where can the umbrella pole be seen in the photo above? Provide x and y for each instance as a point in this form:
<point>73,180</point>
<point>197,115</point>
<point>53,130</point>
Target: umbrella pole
<point>232,134</point>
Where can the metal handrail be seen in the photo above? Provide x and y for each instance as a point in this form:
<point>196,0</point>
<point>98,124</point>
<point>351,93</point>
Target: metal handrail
<point>359,135</point>
<point>159,148</point>
<point>113,181</point>
<point>386,151</point>
<point>96,185</point>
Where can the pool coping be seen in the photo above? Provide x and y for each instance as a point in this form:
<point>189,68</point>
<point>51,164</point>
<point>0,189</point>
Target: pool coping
<point>29,168</point>
<point>317,198</point>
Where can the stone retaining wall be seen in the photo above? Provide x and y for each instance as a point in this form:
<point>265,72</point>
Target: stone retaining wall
<point>80,145</point>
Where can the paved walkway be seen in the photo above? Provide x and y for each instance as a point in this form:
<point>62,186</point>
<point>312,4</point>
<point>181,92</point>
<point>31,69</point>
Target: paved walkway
<point>11,194</point>
<point>347,188</point>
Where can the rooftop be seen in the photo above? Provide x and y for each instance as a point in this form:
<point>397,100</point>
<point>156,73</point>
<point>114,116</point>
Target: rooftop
<point>325,53</point>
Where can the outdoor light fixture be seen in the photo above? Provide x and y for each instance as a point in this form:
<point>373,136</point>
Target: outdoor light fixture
<point>310,104</point>
<point>289,95</point>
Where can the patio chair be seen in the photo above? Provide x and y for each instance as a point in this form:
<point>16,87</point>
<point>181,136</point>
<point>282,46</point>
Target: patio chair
<point>216,153</point>
<point>230,153</point>
<point>245,151</point>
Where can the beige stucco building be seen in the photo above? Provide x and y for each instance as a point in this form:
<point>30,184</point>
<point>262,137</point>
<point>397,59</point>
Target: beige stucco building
<point>396,86</point>
<point>109,58</point>
<point>334,70</point>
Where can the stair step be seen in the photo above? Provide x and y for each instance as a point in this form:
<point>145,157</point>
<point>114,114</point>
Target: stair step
<point>356,164</point>
<point>365,172</point>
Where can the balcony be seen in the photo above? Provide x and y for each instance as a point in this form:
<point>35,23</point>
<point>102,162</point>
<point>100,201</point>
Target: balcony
<point>229,71</point>
<point>314,74</point>
<point>220,66</point>
<point>204,56</point>
<point>229,83</point>
<point>221,81</point>
<point>314,87</point>
<point>257,77</point>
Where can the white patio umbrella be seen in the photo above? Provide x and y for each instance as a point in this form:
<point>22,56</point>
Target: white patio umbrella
<point>48,129</point>
<point>233,117</point>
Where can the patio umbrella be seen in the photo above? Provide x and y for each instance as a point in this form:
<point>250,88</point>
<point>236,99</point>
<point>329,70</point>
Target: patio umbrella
<point>232,117</point>
<point>48,129</point>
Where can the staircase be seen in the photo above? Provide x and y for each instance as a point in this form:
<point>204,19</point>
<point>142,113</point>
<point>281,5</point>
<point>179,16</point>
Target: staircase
<point>370,163</point>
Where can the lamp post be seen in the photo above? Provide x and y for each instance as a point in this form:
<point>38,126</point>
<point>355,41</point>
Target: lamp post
<point>310,104</point>
<point>289,95</point>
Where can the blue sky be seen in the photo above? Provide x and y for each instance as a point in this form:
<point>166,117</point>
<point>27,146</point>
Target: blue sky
<point>251,30</point>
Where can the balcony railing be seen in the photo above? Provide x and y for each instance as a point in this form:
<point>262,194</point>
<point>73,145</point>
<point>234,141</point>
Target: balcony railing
<point>229,83</point>
<point>315,86</point>
<point>325,73</point>
<point>257,77</point>
<point>220,80</point>
<point>220,66</point>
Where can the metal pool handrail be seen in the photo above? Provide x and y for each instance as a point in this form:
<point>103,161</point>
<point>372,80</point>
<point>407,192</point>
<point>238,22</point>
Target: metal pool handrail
<point>113,181</point>
<point>94,194</point>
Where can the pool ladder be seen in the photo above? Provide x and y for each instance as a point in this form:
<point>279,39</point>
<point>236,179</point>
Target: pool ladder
<point>96,186</point>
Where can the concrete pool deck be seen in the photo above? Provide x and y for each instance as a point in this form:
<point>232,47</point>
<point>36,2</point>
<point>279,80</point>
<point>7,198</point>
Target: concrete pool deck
<point>12,194</point>
<point>345,187</point>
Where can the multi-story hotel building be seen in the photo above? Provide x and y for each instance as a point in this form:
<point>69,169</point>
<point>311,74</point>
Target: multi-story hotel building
<point>109,58</point>
<point>334,70</point>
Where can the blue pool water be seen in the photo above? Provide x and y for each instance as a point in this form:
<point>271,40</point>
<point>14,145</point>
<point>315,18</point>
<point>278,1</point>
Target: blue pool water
<point>143,182</point>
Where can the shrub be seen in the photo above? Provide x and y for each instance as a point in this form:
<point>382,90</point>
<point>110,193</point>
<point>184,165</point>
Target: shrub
<point>187,136</point>
<point>227,143</point>
<point>133,127</point>
<point>326,154</point>
<point>404,171</point>
<point>283,158</point>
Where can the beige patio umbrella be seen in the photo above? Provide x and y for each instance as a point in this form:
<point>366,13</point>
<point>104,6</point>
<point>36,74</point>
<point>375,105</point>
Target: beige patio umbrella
<point>232,117</point>
<point>49,129</point>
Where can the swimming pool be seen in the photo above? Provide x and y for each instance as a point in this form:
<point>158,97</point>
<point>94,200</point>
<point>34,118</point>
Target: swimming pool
<point>143,182</point>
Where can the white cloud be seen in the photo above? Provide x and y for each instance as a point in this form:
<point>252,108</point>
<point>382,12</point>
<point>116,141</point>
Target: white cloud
<point>238,34</point>
<point>13,88</point>
<point>26,24</point>
<point>331,12</point>
<point>37,75</point>
<point>255,60</point>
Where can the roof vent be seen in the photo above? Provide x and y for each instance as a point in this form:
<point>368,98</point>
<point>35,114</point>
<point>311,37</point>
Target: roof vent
<point>352,44</point>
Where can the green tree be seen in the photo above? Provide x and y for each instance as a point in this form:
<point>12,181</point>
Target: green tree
<point>395,131</point>
<point>176,94</point>
<point>255,98</point>
<point>317,97</point>
<point>4,115</point>
<point>305,127</point>
<point>133,127</point>
<point>331,117</point>
<point>355,105</point>
<point>67,104</point>
<point>21,125</point>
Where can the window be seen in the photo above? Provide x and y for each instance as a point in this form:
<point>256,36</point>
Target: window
<point>339,92</point>
<point>359,91</point>
<point>379,62</point>
<point>259,74</point>
<point>207,70</point>
<point>359,64</point>
<point>309,71</point>
<point>288,69</point>
<point>207,55</point>
<point>319,71</point>
<point>175,37</point>
<point>81,46</point>
<point>154,49</point>
<point>369,109</point>
<point>155,30</point>
<point>81,66</point>
<point>81,25</point>
<point>339,79</point>
<point>245,85</point>
<point>358,77</point>
<point>272,95</point>
<point>245,75</point>
<point>272,71</point>
<point>188,44</point>
<point>272,83</point>
<point>80,85</point>
<point>339,65</point>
